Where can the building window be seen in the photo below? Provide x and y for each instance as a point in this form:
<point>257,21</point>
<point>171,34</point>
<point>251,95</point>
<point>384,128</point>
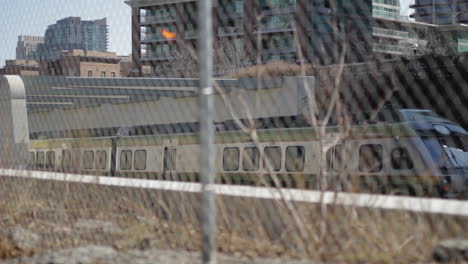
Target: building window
<point>103,74</point>
<point>113,74</point>
<point>90,73</point>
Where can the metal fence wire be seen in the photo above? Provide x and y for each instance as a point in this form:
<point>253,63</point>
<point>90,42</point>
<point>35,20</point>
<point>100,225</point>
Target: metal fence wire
<point>247,131</point>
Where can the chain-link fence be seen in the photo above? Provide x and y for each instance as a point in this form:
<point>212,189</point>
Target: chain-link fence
<point>267,131</point>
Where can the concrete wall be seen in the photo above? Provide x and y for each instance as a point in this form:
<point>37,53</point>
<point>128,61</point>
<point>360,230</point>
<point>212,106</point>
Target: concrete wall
<point>244,101</point>
<point>14,133</point>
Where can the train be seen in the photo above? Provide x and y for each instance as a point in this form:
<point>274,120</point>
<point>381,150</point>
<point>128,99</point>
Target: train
<point>421,154</point>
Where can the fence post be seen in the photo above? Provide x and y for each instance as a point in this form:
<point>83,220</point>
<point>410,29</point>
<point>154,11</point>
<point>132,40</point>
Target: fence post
<point>205,62</point>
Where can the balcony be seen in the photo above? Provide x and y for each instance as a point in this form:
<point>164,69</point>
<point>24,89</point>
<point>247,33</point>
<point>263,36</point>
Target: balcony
<point>153,38</point>
<point>275,27</point>
<point>230,31</point>
<point>278,11</point>
<point>278,50</point>
<point>146,20</point>
<point>421,3</point>
<point>391,49</point>
<point>389,15</point>
<point>463,41</point>
<point>158,56</point>
<point>190,34</point>
<point>389,33</point>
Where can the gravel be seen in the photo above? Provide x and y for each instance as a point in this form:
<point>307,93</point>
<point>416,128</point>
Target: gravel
<point>102,254</point>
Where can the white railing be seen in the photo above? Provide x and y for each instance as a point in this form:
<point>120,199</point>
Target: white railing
<point>388,202</point>
<point>390,32</point>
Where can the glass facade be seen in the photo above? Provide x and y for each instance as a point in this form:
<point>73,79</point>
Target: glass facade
<point>440,12</point>
<point>74,33</point>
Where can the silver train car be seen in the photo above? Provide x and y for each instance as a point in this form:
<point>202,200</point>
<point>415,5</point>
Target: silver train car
<point>424,155</point>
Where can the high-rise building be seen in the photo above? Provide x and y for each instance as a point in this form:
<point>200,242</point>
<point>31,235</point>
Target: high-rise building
<point>73,33</point>
<point>26,47</point>
<point>313,31</point>
<point>441,12</point>
<point>450,16</point>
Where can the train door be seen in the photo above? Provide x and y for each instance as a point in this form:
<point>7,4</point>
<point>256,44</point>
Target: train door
<point>335,168</point>
<point>170,161</point>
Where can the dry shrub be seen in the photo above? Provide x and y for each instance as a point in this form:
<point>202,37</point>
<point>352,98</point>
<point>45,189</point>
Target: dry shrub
<point>246,227</point>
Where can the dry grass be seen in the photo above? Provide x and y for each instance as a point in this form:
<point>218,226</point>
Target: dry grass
<point>247,227</point>
<point>272,68</point>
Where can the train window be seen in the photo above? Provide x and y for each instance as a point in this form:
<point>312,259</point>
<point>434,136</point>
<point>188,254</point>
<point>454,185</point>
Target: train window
<point>370,158</point>
<point>40,159</point>
<point>88,160</point>
<point>126,160</point>
<point>295,158</point>
<point>251,158</point>
<point>32,159</point>
<point>401,159</point>
<point>50,160</point>
<point>272,158</point>
<point>66,160</point>
<point>101,160</point>
<point>231,159</point>
<point>140,160</point>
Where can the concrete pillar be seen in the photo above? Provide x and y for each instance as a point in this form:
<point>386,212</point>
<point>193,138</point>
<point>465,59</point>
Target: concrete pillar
<point>14,132</point>
<point>302,22</point>
<point>136,42</point>
<point>250,39</point>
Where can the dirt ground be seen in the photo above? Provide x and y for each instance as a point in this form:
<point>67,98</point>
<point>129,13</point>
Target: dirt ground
<point>41,219</point>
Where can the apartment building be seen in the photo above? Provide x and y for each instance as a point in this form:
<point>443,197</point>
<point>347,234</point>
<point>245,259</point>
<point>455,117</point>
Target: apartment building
<point>313,31</point>
<point>450,17</point>
<point>26,47</point>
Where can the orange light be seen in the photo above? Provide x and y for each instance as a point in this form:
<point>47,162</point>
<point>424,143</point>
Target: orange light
<point>167,34</point>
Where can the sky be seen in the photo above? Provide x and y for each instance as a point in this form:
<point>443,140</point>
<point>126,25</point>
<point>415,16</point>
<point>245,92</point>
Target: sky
<point>31,17</point>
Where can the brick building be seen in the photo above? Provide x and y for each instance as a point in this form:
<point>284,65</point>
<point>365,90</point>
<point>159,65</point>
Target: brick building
<point>20,67</point>
<point>81,63</point>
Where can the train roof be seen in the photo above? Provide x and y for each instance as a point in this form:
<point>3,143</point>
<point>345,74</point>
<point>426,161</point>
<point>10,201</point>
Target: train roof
<point>226,137</point>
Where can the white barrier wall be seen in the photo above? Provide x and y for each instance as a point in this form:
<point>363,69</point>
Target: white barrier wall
<point>14,132</point>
